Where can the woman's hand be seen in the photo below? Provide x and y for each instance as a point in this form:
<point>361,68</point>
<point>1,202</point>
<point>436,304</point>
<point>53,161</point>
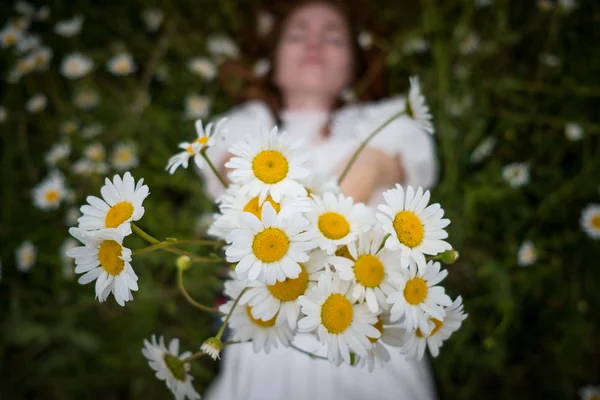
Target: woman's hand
<point>373,168</point>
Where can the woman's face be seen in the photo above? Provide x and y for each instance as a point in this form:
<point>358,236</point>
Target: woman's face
<point>314,53</point>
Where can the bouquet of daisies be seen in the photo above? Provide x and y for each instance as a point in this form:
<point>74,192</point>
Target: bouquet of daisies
<point>303,257</point>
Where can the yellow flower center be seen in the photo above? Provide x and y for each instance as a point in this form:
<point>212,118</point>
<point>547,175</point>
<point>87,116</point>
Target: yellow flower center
<point>270,245</point>
<point>336,313</point>
<point>437,324</point>
<point>10,39</point>
<point>253,207</point>
<point>109,254</point>
<point>369,270</point>
<point>290,289</point>
<point>270,166</point>
<point>96,154</point>
<point>51,196</point>
<point>176,366</point>
<point>379,326</point>
<point>124,155</point>
<point>122,66</point>
<point>596,221</point>
<point>333,225</point>
<point>415,291</point>
<point>344,252</point>
<point>260,322</point>
<point>118,214</point>
<point>409,229</point>
<point>203,140</point>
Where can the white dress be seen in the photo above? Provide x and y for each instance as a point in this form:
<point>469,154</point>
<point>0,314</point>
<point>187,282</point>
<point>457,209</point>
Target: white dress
<point>286,374</point>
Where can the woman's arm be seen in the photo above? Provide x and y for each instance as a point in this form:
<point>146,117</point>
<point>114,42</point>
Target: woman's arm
<point>373,169</point>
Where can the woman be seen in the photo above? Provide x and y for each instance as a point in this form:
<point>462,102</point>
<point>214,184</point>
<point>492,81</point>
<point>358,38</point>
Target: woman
<point>315,59</point>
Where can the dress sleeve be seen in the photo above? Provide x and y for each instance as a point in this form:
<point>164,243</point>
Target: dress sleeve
<point>241,121</point>
<point>401,137</point>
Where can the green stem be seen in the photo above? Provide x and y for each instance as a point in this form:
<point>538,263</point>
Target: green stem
<point>171,241</point>
<point>222,328</point>
<point>157,244</point>
<point>365,142</point>
<point>138,231</point>
<point>311,355</point>
<point>193,357</point>
<point>189,298</point>
<point>212,167</point>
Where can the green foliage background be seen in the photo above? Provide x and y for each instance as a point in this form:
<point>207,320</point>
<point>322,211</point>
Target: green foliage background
<point>531,333</point>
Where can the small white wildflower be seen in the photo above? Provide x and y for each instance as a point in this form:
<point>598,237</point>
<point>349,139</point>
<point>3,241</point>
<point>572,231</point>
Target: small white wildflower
<point>69,27</point>
<point>153,19</point>
<point>573,131</point>
<point>527,254</point>
<point>516,174</point>
<point>36,103</point>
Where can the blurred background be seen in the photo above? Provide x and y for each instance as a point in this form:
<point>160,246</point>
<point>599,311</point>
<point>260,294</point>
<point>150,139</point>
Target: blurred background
<point>88,90</point>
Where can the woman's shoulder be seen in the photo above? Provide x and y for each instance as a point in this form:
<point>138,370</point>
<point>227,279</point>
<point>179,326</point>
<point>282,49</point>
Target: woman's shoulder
<point>384,108</point>
<point>250,111</point>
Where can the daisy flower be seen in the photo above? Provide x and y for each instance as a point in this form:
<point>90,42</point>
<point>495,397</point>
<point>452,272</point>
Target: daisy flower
<point>319,184</point>
<point>483,150</point>
<point>264,335</point>
<point>206,138</point>
<point>516,174</point>
<point>441,329</point>
<point>336,220</point>
<point>124,157</point>
<point>233,203</point>
<point>57,153</point>
<point>392,335</point>
<point>416,44</point>
<point>271,248</point>
<point>86,99</point>
<point>9,36</point>
<point>28,42</point>
<point>418,298</point>
<point>36,103</point>
<point>103,258</point>
<point>590,221</point>
<point>202,67</point>
<point>469,44</point>
<point>92,130</point>
<point>121,204</point>
<point>414,227</point>
<point>573,131</point>
<point>95,152</point>
<point>368,269</point>
<point>48,194</point>
<point>153,18</point>
<point>268,164</point>
<point>41,57</point>
<point>341,324</point>
<point>589,392</point>
<point>69,27</point>
<point>280,300</point>
<point>417,108</point>
<point>25,256</point>
<point>76,65</point>
<point>222,46</point>
<point>212,346</point>
<point>197,106</point>
<point>527,254</point>
<point>122,64</point>
<point>170,367</point>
